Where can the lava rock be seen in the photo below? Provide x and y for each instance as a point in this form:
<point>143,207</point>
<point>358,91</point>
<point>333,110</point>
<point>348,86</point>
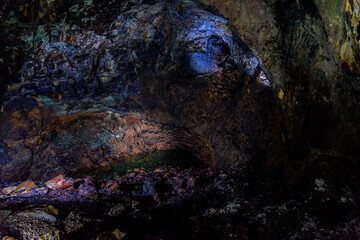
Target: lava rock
<point>148,76</point>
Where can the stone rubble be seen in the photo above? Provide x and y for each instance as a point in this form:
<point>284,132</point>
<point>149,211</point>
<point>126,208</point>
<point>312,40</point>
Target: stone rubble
<point>144,204</point>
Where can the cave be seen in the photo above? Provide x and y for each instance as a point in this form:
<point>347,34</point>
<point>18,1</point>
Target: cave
<point>179,119</point>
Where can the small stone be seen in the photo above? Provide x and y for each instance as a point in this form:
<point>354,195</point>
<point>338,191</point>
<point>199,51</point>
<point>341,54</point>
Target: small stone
<point>3,215</point>
<point>88,191</point>
<point>75,221</point>
<point>8,190</point>
<point>115,235</point>
<point>86,163</point>
<point>106,236</point>
<point>87,181</point>
<point>25,187</point>
<point>59,183</point>
<point>8,238</point>
<point>51,210</point>
<point>117,210</point>
<point>52,234</point>
<point>118,234</point>
<point>41,190</point>
<point>114,187</point>
<point>45,212</point>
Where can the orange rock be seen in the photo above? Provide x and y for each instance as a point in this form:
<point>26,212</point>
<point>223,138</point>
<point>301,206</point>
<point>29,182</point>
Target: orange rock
<point>115,235</point>
<point>25,187</point>
<point>114,187</point>
<point>8,190</point>
<point>59,183</point>
<point>118,234</point>
<point>8,238</point>
<point>78,180</point>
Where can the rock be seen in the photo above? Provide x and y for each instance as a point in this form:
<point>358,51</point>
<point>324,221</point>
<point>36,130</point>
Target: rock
<point>53,234</point>
<point>75,221</point>
<point>41,190</point>
<point>117,210</point>
<point>59,183</point>
<point>25,187</point>
<point>191,182</point>
<point>7,238</point>
<point>47,213</point>
<point>112,185</point>
<point>88,192</point>
<point>35,223</point>
<point>8,190</point>
<point>118,234</point>
<point>115,235</point>
<point>114,101</point>
<point>4,214</point>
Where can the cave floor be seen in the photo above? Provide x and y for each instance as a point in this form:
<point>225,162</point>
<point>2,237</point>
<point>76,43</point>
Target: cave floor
<point>174,203</point>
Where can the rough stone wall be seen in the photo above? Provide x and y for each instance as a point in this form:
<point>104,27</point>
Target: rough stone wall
<point>310,52</point>
<point>177,64</point>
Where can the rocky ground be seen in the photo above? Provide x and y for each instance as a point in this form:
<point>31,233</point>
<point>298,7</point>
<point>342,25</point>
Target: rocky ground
<point>170,203</point>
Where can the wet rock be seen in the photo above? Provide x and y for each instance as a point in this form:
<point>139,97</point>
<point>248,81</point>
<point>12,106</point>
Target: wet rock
<point>59,183</point>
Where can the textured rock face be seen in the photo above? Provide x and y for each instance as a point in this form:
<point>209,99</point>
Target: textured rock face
<point>112,79</point>
<point>75,71</point>
<point>309,49</point>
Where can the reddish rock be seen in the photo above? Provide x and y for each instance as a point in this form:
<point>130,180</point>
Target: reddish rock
<point>86,163</point>
<point>8,190</point>
<point>59,183</point>
<point>25,187</point>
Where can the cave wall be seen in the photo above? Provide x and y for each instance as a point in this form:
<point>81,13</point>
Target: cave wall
<point>309,51</point>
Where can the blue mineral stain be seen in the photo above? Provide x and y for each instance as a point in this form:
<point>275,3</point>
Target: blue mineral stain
<point>252,65</point>
<point>202,63</point>
<point>208,43</point>
<point>202,54</point>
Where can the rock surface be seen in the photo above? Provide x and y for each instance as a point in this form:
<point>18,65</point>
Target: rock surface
<point>310,53</point>
<point>87,82</point>
<point>133,77</point>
